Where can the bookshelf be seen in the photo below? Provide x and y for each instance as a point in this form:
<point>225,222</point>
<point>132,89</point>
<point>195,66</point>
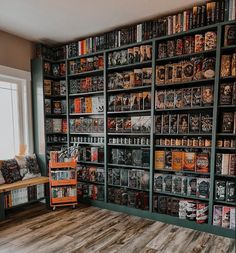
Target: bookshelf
<point>129,140</point>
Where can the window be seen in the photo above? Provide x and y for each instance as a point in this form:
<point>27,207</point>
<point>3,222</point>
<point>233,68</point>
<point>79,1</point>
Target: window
<point>9,126</point>
<point>15,112</point>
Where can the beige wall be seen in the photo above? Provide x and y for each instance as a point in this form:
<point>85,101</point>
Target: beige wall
<point>15,52</point>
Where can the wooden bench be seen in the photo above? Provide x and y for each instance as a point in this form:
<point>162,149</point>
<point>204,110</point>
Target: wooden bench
<point>17,185</point>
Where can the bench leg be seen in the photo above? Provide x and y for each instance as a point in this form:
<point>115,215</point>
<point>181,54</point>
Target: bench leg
<point>2,206</point>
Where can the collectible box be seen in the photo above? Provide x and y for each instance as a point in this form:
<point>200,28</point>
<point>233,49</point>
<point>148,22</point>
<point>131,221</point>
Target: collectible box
<point>226,217</point>
<point>194,123</point>
<point>160,99</point>
<point>220,190</point>
<point>159,159</point>
<point>160,75</point>
<point>189,161</point>
<point>203,187</point>
<point>167,183</point>
<point>191,186</point>
<point>217,215</point>
<point>177,160</point>
<point>202,162</point>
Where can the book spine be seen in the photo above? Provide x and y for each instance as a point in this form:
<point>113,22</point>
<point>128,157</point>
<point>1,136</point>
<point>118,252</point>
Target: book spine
<point>198,16</point>
<point>233,9</point>
<point>213,11</point>
<point>185,21</point>
<point>203,15</point>
<point>222,10</point>
<point>226,16</point>
<point>174,25</point>
<point>217,11</point>
<point>194,19</point>
<point>190,20</point>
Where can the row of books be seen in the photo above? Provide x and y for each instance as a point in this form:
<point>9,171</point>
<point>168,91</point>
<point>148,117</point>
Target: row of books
<point>134,157</point>
<point>54,88</point>
<point>228,65</point>
<point>135,179</point>
<point>183,123</point>
<point>187,45</point>
<point>198,16</point>
<point>191,210</point>
<point>63,174</point>
<point>51,53</point>
<point>133,124</point>
<point>129,79</point>
<point>196,68</point>
<point>129,101</point>
<point>228,122</point>
<point>185,141</point>
<point>131,55</point>
<point>227,94</point>
<point>91,154</point>
<point>55,106</point>
<point>91,174</point>
<point>186,97</point>
<point>93,104</point>
<point>55,69</point>
<point>224,216</point>
<point>226,143</point>
<point>182,185</point>
<point>225,164</point>
<point>87,84</point>
<point>91,191</point>
<point>23,195</point>
<point>56,138</point>
<point>129,140</point>
<point>225,190</point>
<point>55,126</point>
<point>87,139</point>
<point>130,198</point>
<point>85,64</point>
<point>65,191</point>
<point>87,125</point>
<point>178,160</point>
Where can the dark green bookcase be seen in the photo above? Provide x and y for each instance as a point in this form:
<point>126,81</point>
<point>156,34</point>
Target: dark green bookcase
<point>39,121</point>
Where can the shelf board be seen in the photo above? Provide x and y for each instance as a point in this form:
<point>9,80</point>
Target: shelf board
<point>187,83</point>
<point>223,78</point>
<point>224,202</point>
<point>227,134</point>
<point>28,202</point>
<point>128,166</point>
<point>192,31</point>
<point>130,112</point>
<point>183,172</point>
<point>187,134</point>
<point>91,163</point>
<point>128,188</point>
<point>55,115</point>
<point>130,134</point>
<point>46,76</point>
<point>89,93</point>
<point>227,48</point>
<point>226,149</point>
<point>55,96</point>
<point>56,142</point>
<point>186,55</point>
<point>226,176</point>
<point>53,60</point>
<point>227,106</point>
<point>181,196</point>
<point>87,73</point>
<point>55,133</point>
<point>129,145</point>
<point>86,114</point>
<point>131,66</point>
<point>96,134</point>
<point>190,147</point>
<point>86,55</point>
<point>185,109</point>
<point>89,182</point>
<point>138,88</point>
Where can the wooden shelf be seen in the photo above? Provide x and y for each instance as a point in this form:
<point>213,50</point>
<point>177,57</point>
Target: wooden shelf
<point>130,66</point>
<point>138,88</point>
<point>23,184</point>
<point>63,182</point>
<point>89,93</point>
<point>181,196</point>
<point>72,199</point>
<point>182,172</point>
<point>55,165</point>
<point>87,73</point>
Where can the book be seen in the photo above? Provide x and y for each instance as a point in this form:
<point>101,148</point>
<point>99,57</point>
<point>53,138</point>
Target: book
<point>226,217</point>
<point>158,182</point>
<point>177,160</point>
<point>220,190</point>
<point>232,218</point>
<point>207,95</point>
<point>173,123</point>
<point>230,193</point>
<point>217,215</point>
<point>160,99</point>
<point>227,122</point>
<point>159,159</point>
<point>202,162</point>
<point>191,186</point>
<point>226,93</point>
<point>189,161</point>
<point>169,101</point>
<point>194,123</point>
<point>183,123</point>
<point>206,122</point>
<point>203,187</point>
<point>47,85</point>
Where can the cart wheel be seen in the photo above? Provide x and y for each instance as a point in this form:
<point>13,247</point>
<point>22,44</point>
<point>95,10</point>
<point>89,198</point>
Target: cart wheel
<point>54,208</point>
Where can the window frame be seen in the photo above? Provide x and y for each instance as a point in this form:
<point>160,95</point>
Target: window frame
<point>23,81</point>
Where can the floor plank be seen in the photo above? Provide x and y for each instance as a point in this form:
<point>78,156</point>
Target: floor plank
<point>87,229</point>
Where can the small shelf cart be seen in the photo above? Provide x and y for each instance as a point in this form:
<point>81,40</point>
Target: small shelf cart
<point>62,182</point>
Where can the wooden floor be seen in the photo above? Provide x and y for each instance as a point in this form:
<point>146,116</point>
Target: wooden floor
<point>35,229</point>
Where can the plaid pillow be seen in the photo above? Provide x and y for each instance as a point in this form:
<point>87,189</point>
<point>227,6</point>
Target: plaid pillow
<point>10,171</point>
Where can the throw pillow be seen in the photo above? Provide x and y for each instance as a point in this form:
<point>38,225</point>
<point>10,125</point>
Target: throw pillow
<point>10,171</point>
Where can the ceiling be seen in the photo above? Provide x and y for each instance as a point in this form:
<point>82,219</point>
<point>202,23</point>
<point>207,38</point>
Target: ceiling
<point>58,21</point>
